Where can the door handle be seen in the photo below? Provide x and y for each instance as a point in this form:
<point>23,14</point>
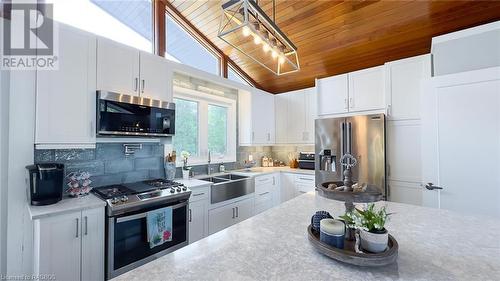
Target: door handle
<point>198,194</point>
<point>136,84</point>
<point>86,225</point>
<point>236,211</point>
<point>431,186</point>
<point>143,85</point>
<point>253,136</point>
<point>190,216</point>
<point>233,213</point>
<point>345,104</point>
<point>351,102</point>
<point>77,227</point>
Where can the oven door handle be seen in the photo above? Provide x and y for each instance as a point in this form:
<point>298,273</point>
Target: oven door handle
<point>143,215</point>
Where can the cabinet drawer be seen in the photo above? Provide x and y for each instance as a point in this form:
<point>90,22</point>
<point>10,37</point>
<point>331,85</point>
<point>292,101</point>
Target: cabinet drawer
<point>264,196</point>
<point>304,179</point>
<point>264,184</point>
<point>199,193</point>
<point>304,188</point>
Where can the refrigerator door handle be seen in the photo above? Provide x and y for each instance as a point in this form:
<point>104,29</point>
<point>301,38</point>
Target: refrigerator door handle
<point>342,138</point>
<point>349,137</point>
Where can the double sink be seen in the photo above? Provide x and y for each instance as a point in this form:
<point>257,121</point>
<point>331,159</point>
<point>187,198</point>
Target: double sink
<point>229,186</point>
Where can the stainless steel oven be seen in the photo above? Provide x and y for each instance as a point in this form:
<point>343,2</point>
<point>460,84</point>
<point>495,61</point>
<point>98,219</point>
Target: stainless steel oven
<point>127,242</point>
<point>125,115</point>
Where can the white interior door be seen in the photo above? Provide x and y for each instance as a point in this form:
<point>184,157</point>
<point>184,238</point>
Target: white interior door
<point>461,142</point>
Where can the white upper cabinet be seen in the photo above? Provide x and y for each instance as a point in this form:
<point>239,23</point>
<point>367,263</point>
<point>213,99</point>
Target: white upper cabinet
<point>404,84</point>
<point>295,114</point>
<point>155,77</point>
<point>126,70</point>
<point>311,114</point>
<point>366,89</point>
<point>256,118</point>
<point>117,67</point>
<point>332,95</point>
<point>65,103</point>
<point>281,116</point>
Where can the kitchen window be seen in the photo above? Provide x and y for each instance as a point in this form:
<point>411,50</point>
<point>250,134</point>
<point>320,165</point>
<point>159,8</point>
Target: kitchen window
<point>182,47</point>
<point>127,22</point>
<point>204,122</point>
<point>232,74</point>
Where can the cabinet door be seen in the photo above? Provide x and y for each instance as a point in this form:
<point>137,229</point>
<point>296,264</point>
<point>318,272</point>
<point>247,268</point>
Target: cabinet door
<point>93,244</point>
<point>197,220</point>
<point>296,116</point>
<point>310,114</point>
<point>281,116</point>
<point>58,246</point>
<point>404,84</point>
<point>154,74</point>
<point>221,217</point>
<point>276,191</point>
<point>366,89</point>
<point>117,67</point>
<point>263,202</point>
<point>332,95</point>
<point>263,131</point>
<point>65,104</point>
<point>287,187</point>
<point>245,209</point>
<point>405,192</point>
<point>403,151</point>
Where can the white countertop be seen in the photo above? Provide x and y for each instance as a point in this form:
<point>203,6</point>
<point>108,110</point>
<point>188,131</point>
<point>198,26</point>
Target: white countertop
<point>193,182</point>
<point>67,205</point>
<point>433,245</point>
<point>269,170</point>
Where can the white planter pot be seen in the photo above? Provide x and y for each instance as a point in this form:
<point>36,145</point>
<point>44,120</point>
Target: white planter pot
<point>185,174</point>
<point>374,242</point>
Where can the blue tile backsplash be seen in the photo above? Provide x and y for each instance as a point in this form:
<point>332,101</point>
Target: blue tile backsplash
<point>108,164</point>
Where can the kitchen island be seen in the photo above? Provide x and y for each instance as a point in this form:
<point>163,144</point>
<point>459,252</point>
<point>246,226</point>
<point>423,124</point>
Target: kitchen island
<point>433,245</point>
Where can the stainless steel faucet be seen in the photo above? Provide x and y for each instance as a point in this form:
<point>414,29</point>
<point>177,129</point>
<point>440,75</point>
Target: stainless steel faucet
<point>209,169</point>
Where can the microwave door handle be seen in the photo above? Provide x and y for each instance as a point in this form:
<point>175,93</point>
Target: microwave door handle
<point>34,182</point>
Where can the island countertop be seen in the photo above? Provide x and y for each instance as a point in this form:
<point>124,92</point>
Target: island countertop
<point>433,245</point>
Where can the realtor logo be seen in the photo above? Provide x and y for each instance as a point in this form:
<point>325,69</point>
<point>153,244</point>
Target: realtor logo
<point>28,37</point>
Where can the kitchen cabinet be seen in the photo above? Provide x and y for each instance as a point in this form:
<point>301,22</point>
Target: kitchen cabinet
<point>333,94</point>
<point>126,70</point>
<point>225,216</point>
<point>70,246</point>
<point>197,211</point>
<point>287,187</point>
<point>404,85</point>
<point>367,89</point>
<point>403,151</point>
<point>304,183</point>
<point>117,67</point>
<point>266,192</point>
<point>65,103</point>
<point>295,115</point>
<point>256,118</point>
<point>281,116</point>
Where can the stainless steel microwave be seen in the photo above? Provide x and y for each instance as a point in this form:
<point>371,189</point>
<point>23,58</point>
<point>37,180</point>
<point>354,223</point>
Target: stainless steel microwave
<point>125,115</point>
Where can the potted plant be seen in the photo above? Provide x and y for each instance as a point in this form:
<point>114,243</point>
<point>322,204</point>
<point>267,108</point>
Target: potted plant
<point>371,224</point>
<point>185,169</point>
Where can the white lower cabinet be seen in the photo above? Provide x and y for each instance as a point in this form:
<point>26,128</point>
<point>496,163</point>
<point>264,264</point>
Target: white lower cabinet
<point>198,213</point>
<point>267,192</point>
<point>70,246</point>
<point>287,187</point>
<point>225,216</point>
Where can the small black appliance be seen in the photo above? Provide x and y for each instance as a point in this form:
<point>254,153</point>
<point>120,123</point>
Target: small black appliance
<point>46,183</point>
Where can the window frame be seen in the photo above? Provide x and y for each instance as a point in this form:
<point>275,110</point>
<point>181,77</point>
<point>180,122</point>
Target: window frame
<point>231,67</point>
<point>193,35</point>
<point>203,99</point>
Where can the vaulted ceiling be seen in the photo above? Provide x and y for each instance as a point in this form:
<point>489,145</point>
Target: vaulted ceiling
<point>335,37</point>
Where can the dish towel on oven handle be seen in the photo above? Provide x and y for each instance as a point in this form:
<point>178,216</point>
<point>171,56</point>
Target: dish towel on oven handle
<point>159,224</point>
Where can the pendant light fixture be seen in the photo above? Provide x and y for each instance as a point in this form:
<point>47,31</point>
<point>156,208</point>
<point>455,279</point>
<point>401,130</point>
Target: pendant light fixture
<point>246,27</point>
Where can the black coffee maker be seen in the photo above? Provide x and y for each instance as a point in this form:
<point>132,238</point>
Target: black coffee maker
<point>46,183</point>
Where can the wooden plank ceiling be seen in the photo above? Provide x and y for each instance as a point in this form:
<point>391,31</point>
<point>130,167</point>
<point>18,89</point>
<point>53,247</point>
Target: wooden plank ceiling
<point>335,37</point>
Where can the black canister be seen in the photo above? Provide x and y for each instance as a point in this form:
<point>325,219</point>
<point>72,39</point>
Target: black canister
<point>46,183</point>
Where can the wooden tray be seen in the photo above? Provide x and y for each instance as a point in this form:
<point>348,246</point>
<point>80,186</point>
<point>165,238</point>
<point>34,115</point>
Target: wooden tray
<point>372,194</point>
<point>348,255</point>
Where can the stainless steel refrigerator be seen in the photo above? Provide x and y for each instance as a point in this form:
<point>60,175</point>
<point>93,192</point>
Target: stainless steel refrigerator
<point>361,136</point>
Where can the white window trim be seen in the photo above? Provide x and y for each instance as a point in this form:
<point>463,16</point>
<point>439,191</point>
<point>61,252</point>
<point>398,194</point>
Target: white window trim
<point>203,99</point>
